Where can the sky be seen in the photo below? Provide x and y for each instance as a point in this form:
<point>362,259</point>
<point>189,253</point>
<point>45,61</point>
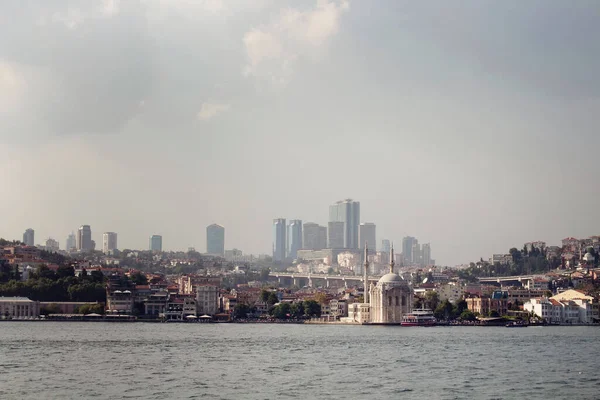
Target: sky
<point>472,125</point>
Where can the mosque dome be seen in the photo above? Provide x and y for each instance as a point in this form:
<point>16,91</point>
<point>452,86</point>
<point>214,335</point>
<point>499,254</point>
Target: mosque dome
<point>588,257</point>
<point>390,279</point>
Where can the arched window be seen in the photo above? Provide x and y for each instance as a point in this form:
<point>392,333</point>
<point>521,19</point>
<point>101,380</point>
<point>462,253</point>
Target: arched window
<point>397,302</point>
<point>403,300</point>
<point>389,300</point>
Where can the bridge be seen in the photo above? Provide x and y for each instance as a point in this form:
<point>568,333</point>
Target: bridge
<point>297,278</point>
<point>500,279</point>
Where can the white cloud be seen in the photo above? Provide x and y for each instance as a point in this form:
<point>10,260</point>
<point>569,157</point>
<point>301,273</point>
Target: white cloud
<point>273,49</point>
<point>211,110</point>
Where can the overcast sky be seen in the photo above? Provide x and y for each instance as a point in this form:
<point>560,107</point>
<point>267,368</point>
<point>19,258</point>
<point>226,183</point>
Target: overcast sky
<point>471,125</point>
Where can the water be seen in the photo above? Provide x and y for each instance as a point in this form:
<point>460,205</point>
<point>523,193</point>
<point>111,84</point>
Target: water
<point>54,360</point>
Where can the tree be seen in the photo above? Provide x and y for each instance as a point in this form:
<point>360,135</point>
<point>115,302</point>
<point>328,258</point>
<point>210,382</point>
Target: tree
<point>494,314</point>
<point>264,274</point>
<point>272,299</point>
<point>282,311</point>
<point>444,310</point>
<point>460,306</point>
<point>241,311</point>
<point>432,299</point>
<point>138,278</point>
<point>467,315</point>
<point>312,308</point>
<point>297,310</point>
<point>264,295</point>
<point>65,271</point>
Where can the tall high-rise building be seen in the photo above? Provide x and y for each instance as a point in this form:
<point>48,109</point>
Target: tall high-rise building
<point>71,242</point>
<point>348,212</point>
<point>84,238</point>
<point>215,239</point>
<point>416,253</point>
<point>29,237</point>
<point>335,235</point>
<point>385,246</point>
<point>155,243</point>
<point>315,236</point>
<point>426,254</point>
<point>407,246</point>
<point>368,234</point>
<point>109,242</point>
<point>294,238</point>
<point>279,236</point>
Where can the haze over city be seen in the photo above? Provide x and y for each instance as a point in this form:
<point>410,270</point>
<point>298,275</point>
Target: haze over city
<point>472,127</point>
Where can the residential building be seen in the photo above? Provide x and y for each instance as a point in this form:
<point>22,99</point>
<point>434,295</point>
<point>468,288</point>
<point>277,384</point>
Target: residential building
<point>71,242</point>
<point>109,242</point>
<point>207,300</point>
<point>314,236</point>
<point>483,305</point>
<point>368,234</point>
<point>215,239</point>
<point>29,237</point>
<point>348,212</point>
<point>335,235</point>
<point>279,239</point>
<point>18,307</point>
<point>84,238</point>
<point>52,245</point>
<point>294,238</point>
<point>156,243</point>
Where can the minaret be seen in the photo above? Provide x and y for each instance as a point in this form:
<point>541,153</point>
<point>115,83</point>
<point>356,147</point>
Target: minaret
<point>392,259</point>
<point>366,273</point>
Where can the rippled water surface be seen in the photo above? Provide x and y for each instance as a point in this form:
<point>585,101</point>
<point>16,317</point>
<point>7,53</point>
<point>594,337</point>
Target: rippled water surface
<point>65,360</point>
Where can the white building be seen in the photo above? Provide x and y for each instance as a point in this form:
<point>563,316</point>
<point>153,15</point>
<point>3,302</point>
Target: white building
<point>207,300</point>
<point>18,307</point>
<point>450,291</point>
<point>569,307</point>
<point>109,242</point>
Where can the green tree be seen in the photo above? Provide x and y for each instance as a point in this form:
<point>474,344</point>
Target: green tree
<point>297,310</point>
<point>467,315</point>
<point>494,314</point>
<point>272,299</point>
<point>432,299</point>
<point>312,308</point>
<point>282,311</point>
<point>138,278</point>
<point>241,311</point>
<point>65,271</point>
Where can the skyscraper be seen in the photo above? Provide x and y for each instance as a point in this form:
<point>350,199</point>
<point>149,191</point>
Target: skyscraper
<point>335,235</point>
<point>71,242</point>
<point>385,246</point>
<point>156,243</point>
<point>348,212</point>
<point>109,242</point>
<point>215,239</point>
<point>314,236</point>
<point>294,238</point>
<point>416,253</point>
<point>426,254</point>
<point>367,233</point>
<point>407,246</point>
<point>279,236</point>
<point>29,237</point>
<point>84,238</point>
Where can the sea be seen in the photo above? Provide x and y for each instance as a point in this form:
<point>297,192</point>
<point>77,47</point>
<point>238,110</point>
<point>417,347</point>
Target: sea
<point>81,360</point>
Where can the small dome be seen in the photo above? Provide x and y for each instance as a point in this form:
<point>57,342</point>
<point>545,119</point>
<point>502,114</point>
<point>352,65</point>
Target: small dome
<point>588,257</point>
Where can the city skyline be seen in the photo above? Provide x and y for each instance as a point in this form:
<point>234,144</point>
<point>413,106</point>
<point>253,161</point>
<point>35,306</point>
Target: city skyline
<point>427,121</point>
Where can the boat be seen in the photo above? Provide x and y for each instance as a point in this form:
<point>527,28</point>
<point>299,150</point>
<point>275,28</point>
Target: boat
<point>516,324</point>
<point>422,317</point>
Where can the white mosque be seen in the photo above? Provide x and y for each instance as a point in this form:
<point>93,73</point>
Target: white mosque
<point>384,303</point>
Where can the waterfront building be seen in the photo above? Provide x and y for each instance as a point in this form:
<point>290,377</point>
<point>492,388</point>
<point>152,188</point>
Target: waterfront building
<point>18,307</point>
<point>279,239</point>
<point>29,237</point>
<point>294,238</point>
<point>84,238</point>
<point>348,212</point>
<point>367,233</point>
<point>314,236</point>
<point>215,239</point>
<point>335,235</point>
<point>109,242</point>
<point>207,300</point>
<point>156,243</point>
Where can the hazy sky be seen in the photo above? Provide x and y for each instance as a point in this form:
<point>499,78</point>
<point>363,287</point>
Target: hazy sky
<point>472,125</point>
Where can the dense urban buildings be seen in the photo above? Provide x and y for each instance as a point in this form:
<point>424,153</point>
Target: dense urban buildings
<point>52,245</point>
<point>71,242</point>
<point>279,239</point>
<point>109,242</point>
<point>315,236</point>
<point>348,212</point>
<point>407,248</point>
<point>84,238</point>
<point>368,234</point>
<point>215,239</point>
<point>155,243</point>
<point>29,237</point>
<point>294,238</point>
